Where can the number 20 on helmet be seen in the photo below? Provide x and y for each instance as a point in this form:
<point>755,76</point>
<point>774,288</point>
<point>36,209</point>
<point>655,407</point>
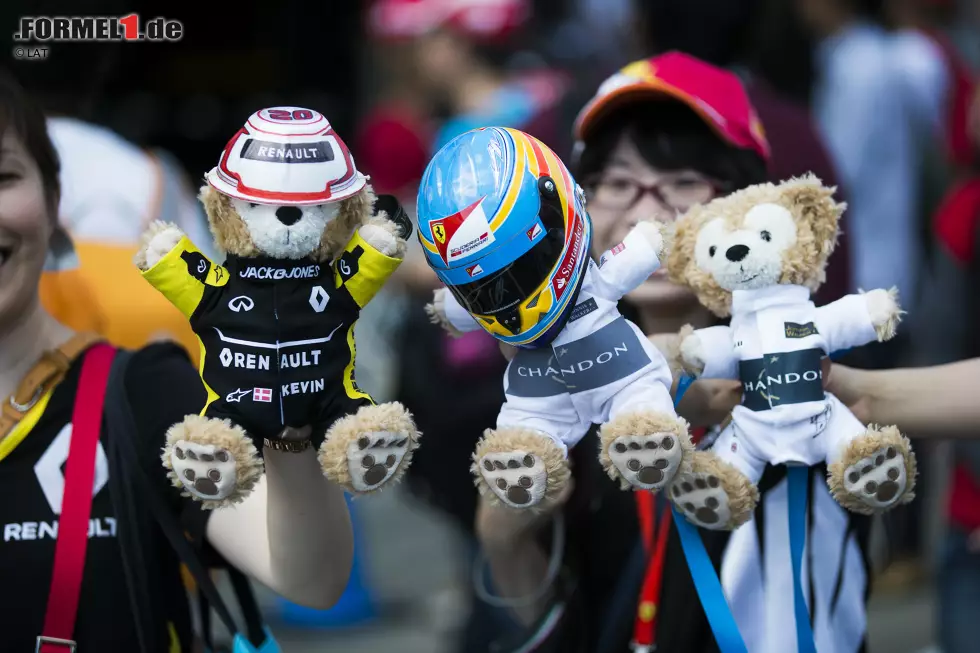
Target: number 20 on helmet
<point>503,225</point>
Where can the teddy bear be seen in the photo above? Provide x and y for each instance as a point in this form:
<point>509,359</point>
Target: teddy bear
<point>579,362</point>
<point>307,246</point>
<point>757,255</point>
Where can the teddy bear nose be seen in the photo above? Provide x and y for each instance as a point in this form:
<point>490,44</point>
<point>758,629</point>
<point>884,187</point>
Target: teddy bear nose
<point>736,253</point>
<point>289,214</point>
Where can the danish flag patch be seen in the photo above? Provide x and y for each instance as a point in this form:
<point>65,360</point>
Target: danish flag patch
<point>262,394</point>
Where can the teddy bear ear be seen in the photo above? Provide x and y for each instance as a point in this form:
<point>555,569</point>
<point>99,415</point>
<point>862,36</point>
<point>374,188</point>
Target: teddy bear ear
<point>813,202</point>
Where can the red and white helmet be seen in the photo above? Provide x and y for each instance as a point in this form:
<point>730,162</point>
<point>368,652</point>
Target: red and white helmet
<point>286,155</point>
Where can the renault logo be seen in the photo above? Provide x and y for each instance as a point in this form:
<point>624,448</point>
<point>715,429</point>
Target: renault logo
<point>241,303</point>
<point>319,298</point>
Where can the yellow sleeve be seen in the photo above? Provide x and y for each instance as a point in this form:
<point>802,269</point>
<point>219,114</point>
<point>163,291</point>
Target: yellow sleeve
<point>363,270</point>
<point>182,275</point>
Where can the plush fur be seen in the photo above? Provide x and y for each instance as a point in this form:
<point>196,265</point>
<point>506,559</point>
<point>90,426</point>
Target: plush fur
<point>221,434</point>
<point>786,233</point>
<point>519,446</point>
<point>361,452</point>
<point>817,216</point>
<point>642,427</point>
<point>712,478</point>
<point>389,427</point>
<point>875,439</point>
<point>437,313</point>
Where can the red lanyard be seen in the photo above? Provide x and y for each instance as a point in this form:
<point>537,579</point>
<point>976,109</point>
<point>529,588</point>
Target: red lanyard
<point>70,547</point>
<point>645,625</point>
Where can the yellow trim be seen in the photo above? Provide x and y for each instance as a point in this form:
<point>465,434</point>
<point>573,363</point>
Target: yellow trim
<point>520,166</point>
<point>170,276</point>
<point>373,271</point>
<point>174,640</point>
<point>212,395</point>
<point>24,426</point>
<point>350,386</point>
<point>426,244</point>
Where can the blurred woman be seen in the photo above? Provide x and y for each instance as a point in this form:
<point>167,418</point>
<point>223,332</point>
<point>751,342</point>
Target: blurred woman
<point>660,136</point>
<point>292,534</point>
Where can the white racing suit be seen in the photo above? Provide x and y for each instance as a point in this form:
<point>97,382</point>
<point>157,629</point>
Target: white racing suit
<point>601,365</point>
<point>774,345</point>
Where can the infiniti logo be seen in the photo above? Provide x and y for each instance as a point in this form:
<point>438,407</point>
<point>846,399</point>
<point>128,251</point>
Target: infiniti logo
<point>241,303</point>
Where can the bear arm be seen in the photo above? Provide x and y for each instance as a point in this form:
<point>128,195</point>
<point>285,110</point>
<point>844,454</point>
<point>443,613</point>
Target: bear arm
<point>450,314</point>
<point>846,323</point>
<point>183,274</point>
<point>363,269</point>
<point>716,350</point>
<point>627,265</point>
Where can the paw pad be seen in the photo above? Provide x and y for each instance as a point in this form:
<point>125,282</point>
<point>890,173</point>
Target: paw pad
<point>878,480</point>
<point>375,457</point>
<point>205,471</point>
<point>702,499</point>
<point>647,462</point>
<point>518,479</point>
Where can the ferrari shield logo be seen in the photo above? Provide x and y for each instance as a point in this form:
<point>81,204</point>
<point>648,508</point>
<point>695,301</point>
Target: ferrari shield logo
<point>462,234</point>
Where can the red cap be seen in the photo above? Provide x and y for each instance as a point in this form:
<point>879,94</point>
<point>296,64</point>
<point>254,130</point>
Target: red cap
<point>476,19</point>
<point>715,94</point>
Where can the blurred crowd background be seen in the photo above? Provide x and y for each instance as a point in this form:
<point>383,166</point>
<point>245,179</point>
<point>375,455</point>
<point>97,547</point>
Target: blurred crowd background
<point>137,125</point>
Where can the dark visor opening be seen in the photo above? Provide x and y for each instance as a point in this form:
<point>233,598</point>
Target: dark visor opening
<point>512,284</point>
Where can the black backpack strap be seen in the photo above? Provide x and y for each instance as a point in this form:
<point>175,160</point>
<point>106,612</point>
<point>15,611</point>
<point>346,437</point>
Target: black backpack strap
<point>121,426</point>
<point>133,526</point>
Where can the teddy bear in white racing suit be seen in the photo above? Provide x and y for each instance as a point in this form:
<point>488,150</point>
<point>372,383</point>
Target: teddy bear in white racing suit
<point>600,369</point>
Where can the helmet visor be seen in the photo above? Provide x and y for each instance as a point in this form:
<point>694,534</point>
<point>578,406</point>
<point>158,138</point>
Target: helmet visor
<point>509,286</point>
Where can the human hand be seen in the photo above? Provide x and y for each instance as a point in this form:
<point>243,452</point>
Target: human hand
<point>850,386</point>
<point>500,528</point>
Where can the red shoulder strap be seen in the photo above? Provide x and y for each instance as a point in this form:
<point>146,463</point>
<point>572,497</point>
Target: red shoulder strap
<point>69,551</point>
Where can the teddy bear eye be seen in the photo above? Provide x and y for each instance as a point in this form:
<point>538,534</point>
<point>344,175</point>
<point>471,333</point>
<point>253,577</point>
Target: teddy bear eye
<point>766,236</point>
<point>711,251</point>
<point>252,204</point>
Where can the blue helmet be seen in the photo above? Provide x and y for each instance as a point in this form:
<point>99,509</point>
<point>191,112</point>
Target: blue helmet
<point>504,226</point>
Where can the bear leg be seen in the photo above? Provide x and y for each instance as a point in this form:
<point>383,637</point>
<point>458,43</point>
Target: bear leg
<point>875,472</point>
<point>519,468</point>
<point>714,494</point>
<point>645,450</point>
<point>211,460</point>
<point>373,447</point>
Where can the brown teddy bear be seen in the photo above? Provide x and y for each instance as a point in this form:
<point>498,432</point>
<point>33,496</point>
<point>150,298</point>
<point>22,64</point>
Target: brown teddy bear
<point>757,255</point>
<point>308,245</point>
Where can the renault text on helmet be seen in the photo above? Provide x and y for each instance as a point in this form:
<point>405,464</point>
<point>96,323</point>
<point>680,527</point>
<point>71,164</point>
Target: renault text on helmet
<point>286,156</point>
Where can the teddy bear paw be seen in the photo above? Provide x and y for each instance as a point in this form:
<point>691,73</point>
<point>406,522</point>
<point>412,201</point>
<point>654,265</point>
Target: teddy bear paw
<point>380,238</point>
<point>517,478</point>
<point>703,500</point>
<point>375,457</point>
<point>159,238</point>
<point>652,232</point>
<point>647,462</point>
<point>884,311</point>
<point>692,355</point>
<point>879,480</point>
<point>205,471</point>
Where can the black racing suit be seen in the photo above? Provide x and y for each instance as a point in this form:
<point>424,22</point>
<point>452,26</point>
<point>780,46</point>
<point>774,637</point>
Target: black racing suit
<point>277,336</point>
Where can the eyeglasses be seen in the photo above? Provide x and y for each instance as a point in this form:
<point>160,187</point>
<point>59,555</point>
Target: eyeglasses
<point>621,193</point>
